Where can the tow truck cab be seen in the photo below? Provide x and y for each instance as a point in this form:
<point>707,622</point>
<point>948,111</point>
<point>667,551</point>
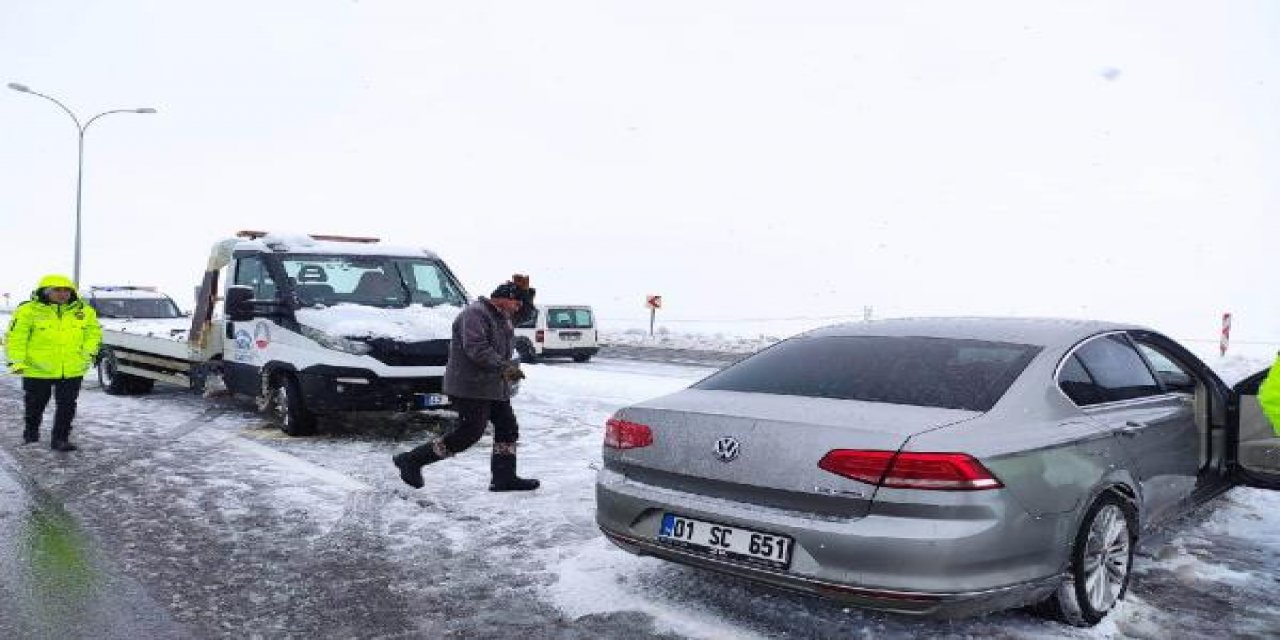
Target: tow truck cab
<point>318,324</point>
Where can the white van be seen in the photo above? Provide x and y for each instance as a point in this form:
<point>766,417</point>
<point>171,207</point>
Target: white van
<point>559,330</point>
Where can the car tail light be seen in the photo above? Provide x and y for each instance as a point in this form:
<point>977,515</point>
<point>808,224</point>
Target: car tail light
<point>623,434</point>
<point>539,335</point>
<point>910,470</point>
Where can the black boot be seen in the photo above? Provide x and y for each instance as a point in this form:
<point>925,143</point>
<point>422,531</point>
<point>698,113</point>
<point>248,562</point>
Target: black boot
<point>59,438</point>
<point>411,463</point>
<point>503,467</point>
<point>31,434</point>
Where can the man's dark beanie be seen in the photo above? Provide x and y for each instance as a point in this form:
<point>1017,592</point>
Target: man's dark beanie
<point>506,290</point>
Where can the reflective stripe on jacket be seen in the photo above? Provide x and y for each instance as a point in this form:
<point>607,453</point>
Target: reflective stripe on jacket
<point>53,341</point>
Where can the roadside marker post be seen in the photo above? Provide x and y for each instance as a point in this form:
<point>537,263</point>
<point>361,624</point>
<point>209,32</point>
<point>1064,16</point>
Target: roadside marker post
<point>654,303</point>
<point>1226,334</point>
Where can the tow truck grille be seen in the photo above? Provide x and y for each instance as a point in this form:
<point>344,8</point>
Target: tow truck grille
<point>430,353</point>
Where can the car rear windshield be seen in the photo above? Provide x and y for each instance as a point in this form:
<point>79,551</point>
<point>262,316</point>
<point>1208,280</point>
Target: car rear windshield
<point>926,372</point>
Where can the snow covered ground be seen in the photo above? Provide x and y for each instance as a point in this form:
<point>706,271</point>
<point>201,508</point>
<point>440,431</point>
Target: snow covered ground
<point>240,531</point>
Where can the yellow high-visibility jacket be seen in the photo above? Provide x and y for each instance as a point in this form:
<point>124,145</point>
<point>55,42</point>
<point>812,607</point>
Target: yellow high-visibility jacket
<point>53,341</point>
<point>1269,396</point>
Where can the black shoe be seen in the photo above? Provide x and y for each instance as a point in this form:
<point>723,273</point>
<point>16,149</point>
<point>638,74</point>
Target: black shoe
<point>29,437</point>
<point>409,472</point>
<point>63,446</point>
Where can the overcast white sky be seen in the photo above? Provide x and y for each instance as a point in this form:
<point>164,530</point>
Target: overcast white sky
<point>744,159</point>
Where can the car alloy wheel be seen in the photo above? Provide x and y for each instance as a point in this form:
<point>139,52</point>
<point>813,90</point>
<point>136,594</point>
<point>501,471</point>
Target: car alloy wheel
<point>1106,558</point>
<point>1101,560</point>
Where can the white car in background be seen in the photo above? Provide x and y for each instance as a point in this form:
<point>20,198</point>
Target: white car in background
<point>130,303</point>
<point>558,330</point>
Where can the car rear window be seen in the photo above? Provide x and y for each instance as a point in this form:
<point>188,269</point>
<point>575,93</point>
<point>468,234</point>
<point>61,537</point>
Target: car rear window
<point>926,372</point>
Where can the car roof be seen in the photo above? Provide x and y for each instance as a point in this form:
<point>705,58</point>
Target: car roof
<point>1045,332</point>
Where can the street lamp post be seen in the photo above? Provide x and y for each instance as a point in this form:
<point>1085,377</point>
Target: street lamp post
<point>80,130</point>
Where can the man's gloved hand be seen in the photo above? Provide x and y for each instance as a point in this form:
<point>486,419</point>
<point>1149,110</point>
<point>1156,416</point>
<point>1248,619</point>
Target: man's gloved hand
<point>16,368</point>
<point>512,372</point>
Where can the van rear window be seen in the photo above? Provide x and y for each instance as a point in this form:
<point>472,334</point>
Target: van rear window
<point>927,372</point>
<point>560,318</point>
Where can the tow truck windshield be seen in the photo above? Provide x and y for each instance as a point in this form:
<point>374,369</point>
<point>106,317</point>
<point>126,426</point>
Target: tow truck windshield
<point>378,281</point>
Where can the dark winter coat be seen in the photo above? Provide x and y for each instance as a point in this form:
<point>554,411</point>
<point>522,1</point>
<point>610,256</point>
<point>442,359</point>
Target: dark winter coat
<point>480,349</point>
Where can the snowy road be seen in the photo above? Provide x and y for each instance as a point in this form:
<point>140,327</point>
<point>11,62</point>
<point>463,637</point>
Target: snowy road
<point>238,531</point>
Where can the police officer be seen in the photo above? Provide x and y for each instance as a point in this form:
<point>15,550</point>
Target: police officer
<point>52,341</point>
<point>479,379</point>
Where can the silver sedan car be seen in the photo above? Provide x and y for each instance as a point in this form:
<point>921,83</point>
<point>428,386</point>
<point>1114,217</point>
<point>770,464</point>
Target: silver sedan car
<point>945,467</point>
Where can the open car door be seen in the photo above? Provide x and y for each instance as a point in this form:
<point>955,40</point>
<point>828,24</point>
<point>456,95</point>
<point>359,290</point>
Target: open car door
<point>1257,444</point>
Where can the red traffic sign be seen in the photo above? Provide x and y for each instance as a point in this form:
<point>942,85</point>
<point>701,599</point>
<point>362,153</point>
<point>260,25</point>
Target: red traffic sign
<point>653,302</point>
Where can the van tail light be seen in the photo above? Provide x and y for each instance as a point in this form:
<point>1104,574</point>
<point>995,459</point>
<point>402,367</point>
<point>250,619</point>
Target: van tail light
<point>539,335</point>
<point>911,470</point>
<point>624,434</point>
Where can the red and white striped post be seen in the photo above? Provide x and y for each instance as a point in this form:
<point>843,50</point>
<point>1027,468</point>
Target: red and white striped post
<point>1226,334</point>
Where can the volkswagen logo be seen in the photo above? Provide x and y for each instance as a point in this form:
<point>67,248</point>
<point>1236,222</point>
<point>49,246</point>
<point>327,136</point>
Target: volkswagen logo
<point>727,449</point>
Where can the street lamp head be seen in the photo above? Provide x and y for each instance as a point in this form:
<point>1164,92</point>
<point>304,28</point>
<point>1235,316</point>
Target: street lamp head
<point>19,87</point>
<point>144,110</point>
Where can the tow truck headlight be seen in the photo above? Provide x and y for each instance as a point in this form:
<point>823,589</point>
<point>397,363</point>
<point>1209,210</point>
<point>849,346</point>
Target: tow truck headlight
<point>337,343</point>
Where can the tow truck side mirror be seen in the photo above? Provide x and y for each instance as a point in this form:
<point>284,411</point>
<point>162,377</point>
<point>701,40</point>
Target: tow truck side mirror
<point>239,303</point>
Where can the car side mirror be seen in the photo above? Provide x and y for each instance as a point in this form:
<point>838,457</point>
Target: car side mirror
<point>1177,381</point>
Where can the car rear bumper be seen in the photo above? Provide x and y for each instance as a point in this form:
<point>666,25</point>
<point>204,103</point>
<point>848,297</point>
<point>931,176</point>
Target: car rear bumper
<point>568,352</point>
<point>977,554</point>
<point>927,604</point>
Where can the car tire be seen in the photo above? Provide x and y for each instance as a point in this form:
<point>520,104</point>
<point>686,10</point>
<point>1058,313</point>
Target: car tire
<point>287,407</point>
<point>1101,564</point>
<point>581,358</point>
<point>525,349</point>
<point>111,380</point>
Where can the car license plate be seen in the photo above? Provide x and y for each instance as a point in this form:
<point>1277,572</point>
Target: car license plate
<point>432,400</point>
<point>570,337</point>
<point>735,543</point>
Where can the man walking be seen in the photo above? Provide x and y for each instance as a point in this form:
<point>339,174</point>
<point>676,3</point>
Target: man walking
<point>478,380</point>
<point>52,341</point>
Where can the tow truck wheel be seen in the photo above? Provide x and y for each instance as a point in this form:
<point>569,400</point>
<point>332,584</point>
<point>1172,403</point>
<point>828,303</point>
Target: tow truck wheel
<point>287,407</point>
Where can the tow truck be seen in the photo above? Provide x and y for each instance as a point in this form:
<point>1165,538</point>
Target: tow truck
<point>305,324</point>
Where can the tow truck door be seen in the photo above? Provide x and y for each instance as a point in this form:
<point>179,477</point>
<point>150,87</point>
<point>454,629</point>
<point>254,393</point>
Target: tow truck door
<point>1257,445</point>
<point>245,341</point>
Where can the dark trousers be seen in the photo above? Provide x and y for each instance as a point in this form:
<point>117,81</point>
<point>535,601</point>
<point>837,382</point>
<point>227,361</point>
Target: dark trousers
<point>36,393</point>
<point>473,415</point>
